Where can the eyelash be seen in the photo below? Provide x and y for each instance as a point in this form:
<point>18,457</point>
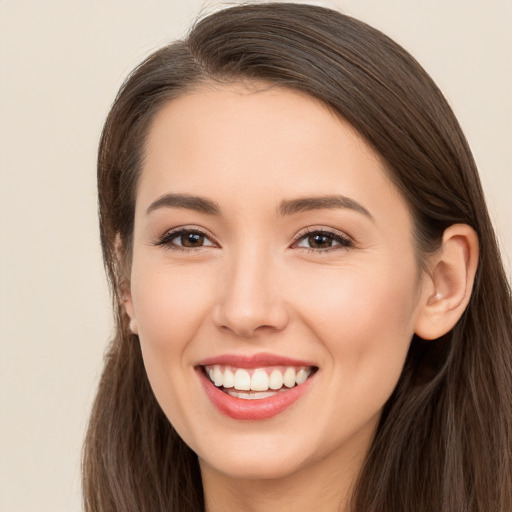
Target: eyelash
<point>342,241</point>
<point>166,240</point>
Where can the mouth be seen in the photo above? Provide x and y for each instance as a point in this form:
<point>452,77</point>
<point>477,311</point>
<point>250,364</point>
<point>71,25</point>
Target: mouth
<point>256,383</point>
<point>254,388</point>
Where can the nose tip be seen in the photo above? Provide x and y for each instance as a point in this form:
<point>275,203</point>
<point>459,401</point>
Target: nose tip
<point>251,303</point>
<point>246,322</point>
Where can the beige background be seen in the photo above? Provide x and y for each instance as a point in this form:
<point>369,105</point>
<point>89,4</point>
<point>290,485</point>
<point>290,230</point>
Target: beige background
<point>62,62</point>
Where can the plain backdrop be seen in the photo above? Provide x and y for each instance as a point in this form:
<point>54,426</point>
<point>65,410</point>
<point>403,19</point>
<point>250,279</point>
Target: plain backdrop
<point>62,62</point>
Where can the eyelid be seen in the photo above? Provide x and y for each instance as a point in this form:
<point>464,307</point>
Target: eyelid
<point>344,240</point>
<point>165,239</point>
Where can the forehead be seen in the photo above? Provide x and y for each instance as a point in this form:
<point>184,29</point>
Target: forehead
<point>258,141</point>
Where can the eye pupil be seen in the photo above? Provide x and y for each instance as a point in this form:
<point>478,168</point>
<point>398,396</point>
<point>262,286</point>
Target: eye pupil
<point>192,239</point>
<point>319,241</point>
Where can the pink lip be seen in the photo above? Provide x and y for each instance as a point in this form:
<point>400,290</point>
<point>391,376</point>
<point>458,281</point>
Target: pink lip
<point>261,409</point>
<point>254,361</point>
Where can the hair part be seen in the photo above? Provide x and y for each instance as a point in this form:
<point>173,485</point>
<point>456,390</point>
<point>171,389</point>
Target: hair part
<point>444,441</point>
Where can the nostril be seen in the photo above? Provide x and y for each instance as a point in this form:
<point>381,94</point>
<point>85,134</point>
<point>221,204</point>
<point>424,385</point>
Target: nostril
<point>247,323</point>
<point>245,331</point>
<point>248,298</point>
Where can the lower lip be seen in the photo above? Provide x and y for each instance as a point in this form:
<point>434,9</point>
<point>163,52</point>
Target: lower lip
<point>258,409</point>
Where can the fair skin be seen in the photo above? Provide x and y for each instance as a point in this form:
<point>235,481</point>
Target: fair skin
<point>248,270</point>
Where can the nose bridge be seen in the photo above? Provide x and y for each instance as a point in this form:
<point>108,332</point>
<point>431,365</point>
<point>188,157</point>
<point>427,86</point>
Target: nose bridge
<point>251,298</point>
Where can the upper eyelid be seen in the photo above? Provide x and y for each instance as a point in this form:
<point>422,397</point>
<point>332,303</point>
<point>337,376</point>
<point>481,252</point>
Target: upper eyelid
<point>344,240</point>
<point>176,231</point>
<point>319,229</point>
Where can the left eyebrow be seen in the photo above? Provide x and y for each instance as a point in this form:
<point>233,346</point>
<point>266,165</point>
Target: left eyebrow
<point>305,204</point>
<point>185,201</point>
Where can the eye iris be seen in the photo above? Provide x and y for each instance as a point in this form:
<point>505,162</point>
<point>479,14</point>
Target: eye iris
<point>192,239</point>
<point>319,241</point>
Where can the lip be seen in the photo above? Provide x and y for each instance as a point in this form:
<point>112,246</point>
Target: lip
<point>254,361</point>
<point>254,410</point>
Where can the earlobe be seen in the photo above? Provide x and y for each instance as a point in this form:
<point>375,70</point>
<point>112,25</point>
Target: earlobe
<point>133,326</point>
<point>125,289</point>
<point>450,282</point>
<point>126,298</point>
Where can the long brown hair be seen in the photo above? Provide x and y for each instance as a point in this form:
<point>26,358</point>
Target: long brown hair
<point>444,442</point>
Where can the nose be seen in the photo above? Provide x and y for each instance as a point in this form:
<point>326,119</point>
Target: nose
<point>250,299</point>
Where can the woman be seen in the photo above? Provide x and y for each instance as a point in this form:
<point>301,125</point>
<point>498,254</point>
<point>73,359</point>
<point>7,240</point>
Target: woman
<point>311,308</point>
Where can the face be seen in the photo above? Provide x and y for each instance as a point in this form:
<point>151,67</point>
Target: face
<point>273,256</point>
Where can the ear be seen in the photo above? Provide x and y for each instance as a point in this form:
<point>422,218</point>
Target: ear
<point>126,298</point>
<point>125,288</point>
<point>447,288</point>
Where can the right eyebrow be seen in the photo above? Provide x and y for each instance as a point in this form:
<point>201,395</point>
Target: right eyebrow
<point>195,203</point>
<point>305,204</point>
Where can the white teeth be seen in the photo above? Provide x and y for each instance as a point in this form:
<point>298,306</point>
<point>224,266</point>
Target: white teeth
<point>259,379</point>
<point>251,395</point>
<point>229,378</point>
<point>242,380</point>
<point>302,376</point>
<point>289,377</point>
<point>218,377</point>
<point>275,380</point>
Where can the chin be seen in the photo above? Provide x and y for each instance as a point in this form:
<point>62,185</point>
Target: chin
<point>262,455</point>
<point>257,466</point>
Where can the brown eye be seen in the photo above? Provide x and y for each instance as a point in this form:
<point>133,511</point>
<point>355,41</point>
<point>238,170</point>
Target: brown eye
<point>185,239</point>
<point>323,240</point>
<point>319,241</point>
<point>192,240</point>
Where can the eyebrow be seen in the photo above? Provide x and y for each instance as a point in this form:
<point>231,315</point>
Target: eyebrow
<point>288,207</point>
<point>195,203</point>
<point>321,203</point>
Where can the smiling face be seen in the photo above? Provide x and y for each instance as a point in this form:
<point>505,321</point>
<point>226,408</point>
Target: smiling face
<point>269,244</point>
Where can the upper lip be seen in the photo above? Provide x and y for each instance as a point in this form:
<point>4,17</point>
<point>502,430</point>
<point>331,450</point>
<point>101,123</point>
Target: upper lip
<point>253,361</point>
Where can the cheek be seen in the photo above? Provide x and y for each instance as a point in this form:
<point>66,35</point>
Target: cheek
<point>365,301</point>
<point>365,323</point>
<point>366,320</point>
<point>169,305</point>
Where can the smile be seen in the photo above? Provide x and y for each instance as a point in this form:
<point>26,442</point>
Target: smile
<point>255,387</point>
<point>258,383</point>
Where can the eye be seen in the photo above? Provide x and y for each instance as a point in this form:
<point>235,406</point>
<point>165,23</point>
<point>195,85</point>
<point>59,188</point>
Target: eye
<point>323,240</point>
<point>185,238</point>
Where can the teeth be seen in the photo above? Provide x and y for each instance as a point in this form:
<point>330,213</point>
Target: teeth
<point>251,395</point>
<point>242,380</point>
<point>289,377</point>
<point>260,379</point>
<point>218,377</point>
<point>302,376</point>
<point>229,378</point>
<point>275,380</point>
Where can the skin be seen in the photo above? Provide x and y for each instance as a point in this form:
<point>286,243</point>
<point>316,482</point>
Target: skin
<point>256,286</point>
